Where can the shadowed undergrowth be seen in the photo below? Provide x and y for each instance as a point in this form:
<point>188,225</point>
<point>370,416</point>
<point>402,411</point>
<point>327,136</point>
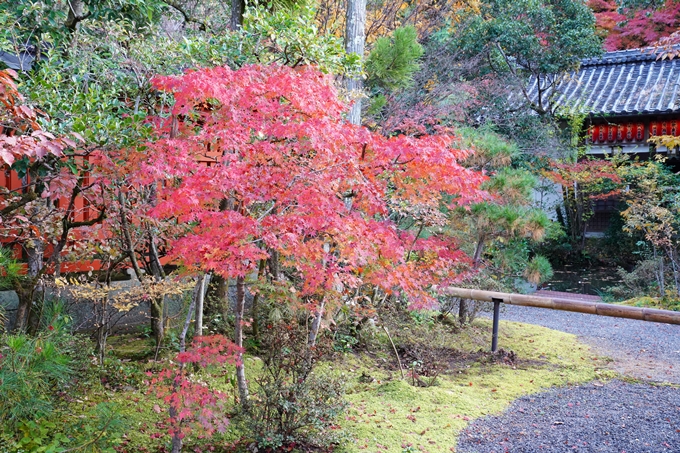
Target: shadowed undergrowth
<point>389,414</point>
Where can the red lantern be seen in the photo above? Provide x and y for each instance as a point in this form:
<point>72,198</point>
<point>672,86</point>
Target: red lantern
<point>674,128</point>
<point>654,128</point>
<point>639,131</point>
<point>620,132</point>
<point>601,133</point>
<point>664,128</point>
<point>629,131</point>
<point>611,133</point>
<point>593,134</point>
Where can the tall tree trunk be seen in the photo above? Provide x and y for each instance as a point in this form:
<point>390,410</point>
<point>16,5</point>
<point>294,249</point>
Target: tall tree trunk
<point>463,311</point>
<point>202,283</point>
<point>238,339</point>
<point>274,267</point>
<point>256,299</point>
<point>237,9</point>
<point>464,304</point>
<point>127,237</point>
<point>25,295</point>
<point>581,220</point>
<point>355,38</point>
<point>316,324</point>
<point>156,314</point>
<point>660,272</point>
<point>102,329</point>
<point>35,250</point>
<point>157,305</point>
<point>216,303</point>
<point>76,13</point>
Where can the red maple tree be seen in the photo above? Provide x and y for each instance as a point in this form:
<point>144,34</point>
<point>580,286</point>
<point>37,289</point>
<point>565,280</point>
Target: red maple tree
<point>193,407</point>
<point>634,29</point>
<point>286,173</point>
<point>283,175</point>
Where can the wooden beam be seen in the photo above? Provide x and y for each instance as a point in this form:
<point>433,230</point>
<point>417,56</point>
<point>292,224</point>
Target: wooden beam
<point>555,303</point>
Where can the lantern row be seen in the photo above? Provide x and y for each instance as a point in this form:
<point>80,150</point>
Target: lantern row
<point>631,132</point>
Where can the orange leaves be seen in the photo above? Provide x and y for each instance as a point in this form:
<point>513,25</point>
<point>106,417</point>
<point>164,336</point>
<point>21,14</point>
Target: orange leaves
<point>288,174</point>
<point>597,178</point>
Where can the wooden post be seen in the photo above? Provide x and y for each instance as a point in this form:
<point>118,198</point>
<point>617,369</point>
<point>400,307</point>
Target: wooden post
<point>496,319</point>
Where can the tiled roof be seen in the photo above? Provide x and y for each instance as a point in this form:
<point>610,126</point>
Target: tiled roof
<point>618,83</point>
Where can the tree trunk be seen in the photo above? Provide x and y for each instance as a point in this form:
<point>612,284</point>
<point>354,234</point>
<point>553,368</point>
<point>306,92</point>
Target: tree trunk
<point>237,9</point>
<point>314,331</point>
<point>157,305</point>
<point>238,339</point>
<point>660,272</point>
<point>355,38</point>
<point>156,313</point>
<point>35,250</point>
<point>216,303</point>
<point>176,443</point>
<point>274,267</point>
<point>25,295</point>
<point>256,299</point>
<point>76,13</point>
<point>316,324</point>
<point>464,304</point>
<point>102,330</point>
<point>127,237</point>
<point>463,311</point>
<point>176,434</point>
<point>202,283</point>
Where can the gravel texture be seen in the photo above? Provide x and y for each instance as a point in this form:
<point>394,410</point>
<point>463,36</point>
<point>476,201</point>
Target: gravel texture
<point>616,417</point>
<point>639,349</point>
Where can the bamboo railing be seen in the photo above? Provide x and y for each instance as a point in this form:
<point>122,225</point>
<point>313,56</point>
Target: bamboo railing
<point>593,308</point>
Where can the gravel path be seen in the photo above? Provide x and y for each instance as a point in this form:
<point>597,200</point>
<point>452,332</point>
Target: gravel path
<point>615,417</point>
<point>640,349</point>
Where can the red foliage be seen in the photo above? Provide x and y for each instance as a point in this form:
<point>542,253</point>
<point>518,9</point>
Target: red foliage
<point>287,173</point>
<point>596,178</point>
<point>20,132</point>
<point>193,406</point>
<point>639,29</point>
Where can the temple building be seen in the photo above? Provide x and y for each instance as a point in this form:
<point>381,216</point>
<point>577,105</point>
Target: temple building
<point>627,96</point>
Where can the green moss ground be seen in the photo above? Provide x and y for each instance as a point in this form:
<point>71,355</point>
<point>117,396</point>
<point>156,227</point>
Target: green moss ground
<point>666,303</point>
<point>388,414</point>
<point>394,416</point>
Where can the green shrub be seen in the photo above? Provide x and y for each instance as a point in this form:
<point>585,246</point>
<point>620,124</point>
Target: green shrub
<point>39,375</point>
<point>292,405</point>
<point>117,374</point>
<point>30,370</point>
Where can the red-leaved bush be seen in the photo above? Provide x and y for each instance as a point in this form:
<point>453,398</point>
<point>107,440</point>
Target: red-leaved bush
<point>193,407</point>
